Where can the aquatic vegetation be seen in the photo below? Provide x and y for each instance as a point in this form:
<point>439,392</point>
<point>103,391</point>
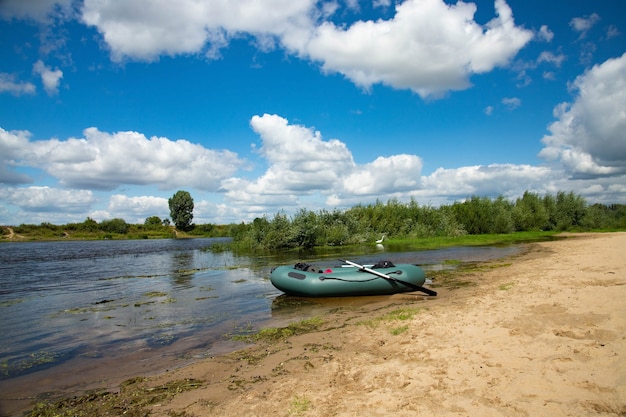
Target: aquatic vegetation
<point>278,333</point>
<point>9,303</point>
<point>29,363</point>
<point>133,399</point>
<point>155,294</point>
<point>162,340</point>
<point>206,298</point>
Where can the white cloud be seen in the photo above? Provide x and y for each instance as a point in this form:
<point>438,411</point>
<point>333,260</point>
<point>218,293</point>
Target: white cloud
<point>549,75</point>
<point>508,180</point>
<point>551,58</point>
<point>612,32</point>
<point>429,47</point>
<point>106,161</point>
<point>588,137</point>
<point>511,103</point>
<point>301,163</point>
<point>13,147</point>
<point>137,209</point>
<point>143,29</point>
<point>583,24</point>
<point>50,78</point>
<point>47,199</point>
<point>299,158</point>
<point>396,173</point>
<point>545,34</point>
<point>8,84</point>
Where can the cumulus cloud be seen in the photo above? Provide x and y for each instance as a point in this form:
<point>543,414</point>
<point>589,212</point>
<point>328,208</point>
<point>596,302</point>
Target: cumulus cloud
<point>492,180</point>
<point>301,163</point>
<point>143,29</point>
<point>429,47</point>
<point>50,78</point>
<point>137,208</point>
<point>106,161</point>
<point>8,84</point>
<point>396,173</point>
<point>47,199</point>
<point>13,147</point>
<point>588,137</point>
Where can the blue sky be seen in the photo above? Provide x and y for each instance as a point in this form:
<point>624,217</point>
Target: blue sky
<point>107,108</point>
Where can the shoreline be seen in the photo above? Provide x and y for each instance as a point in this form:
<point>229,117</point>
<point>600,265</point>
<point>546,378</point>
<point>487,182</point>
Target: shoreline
<point>541,333</point>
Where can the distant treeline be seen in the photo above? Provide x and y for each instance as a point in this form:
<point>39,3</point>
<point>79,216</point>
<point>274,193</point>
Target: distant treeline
<point>476,215</point>
<point>366,223</point>
<point>153,228</point>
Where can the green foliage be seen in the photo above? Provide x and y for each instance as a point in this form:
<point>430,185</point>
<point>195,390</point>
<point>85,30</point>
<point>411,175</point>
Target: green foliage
<point>474,216</point>
<point>202,230</point>
<point>181,210</point>
<point>570,210</point>
<point>531,212</point>
<point>153,222</point>
<point>480,215</point>
<point>114,226</point>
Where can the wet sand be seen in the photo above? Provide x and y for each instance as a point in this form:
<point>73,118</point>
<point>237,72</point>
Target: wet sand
<point>540,334</point>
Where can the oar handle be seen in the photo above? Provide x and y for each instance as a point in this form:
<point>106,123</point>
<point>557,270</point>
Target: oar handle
<point>366,269</point>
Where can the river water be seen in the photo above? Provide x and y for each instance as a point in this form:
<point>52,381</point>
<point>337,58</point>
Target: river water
<point>73,311</point>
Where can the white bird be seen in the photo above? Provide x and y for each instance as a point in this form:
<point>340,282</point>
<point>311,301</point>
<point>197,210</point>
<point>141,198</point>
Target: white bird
<point>379,241</point>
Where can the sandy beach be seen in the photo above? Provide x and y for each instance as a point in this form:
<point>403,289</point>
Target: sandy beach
<point>540,334</point>
<point>543,335</point>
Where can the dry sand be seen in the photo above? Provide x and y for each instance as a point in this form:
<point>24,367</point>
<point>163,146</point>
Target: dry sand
<point>544,335</point>
<point>541,334</point>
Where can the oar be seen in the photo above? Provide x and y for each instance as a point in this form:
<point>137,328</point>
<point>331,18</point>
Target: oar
<point>390,278</point>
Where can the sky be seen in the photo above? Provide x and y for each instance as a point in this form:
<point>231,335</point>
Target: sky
<point>258,107</point>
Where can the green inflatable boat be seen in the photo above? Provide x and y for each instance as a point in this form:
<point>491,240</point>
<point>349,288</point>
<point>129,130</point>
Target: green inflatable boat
<point>351,279</point>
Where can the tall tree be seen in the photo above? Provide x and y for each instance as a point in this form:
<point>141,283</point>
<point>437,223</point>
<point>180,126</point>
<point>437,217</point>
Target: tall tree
<point>181,209</point>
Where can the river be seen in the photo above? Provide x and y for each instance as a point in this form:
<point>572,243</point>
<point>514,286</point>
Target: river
<point>86,314</point>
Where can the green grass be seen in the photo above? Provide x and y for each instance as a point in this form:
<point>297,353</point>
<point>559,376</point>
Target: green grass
<point>400,314</point>
<point>398,330</point>
<point>475,240</point>
<point>300,404</point>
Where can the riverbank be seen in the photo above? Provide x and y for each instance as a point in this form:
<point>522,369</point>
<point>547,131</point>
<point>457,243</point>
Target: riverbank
<point>539,334</point>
